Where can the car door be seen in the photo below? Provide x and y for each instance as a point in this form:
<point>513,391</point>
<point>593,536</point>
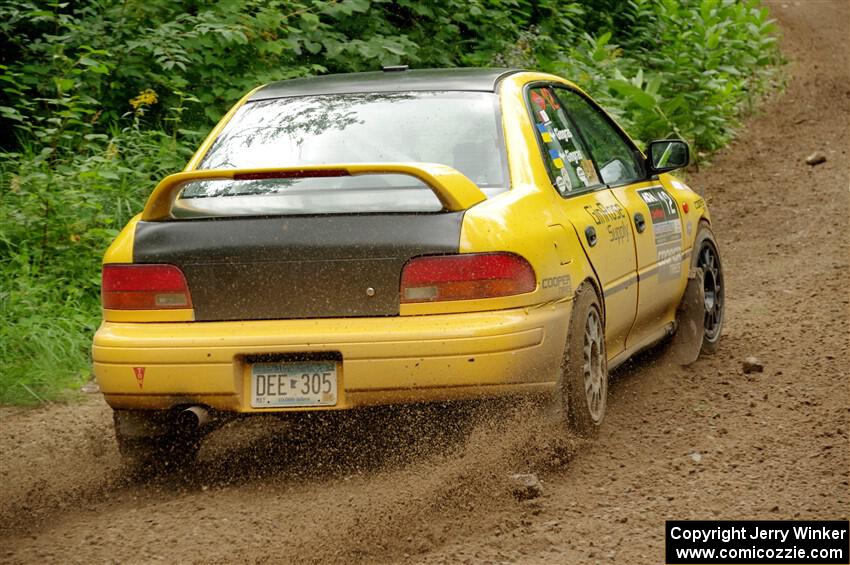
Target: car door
<point>599,219</point>
<point>654,216</point>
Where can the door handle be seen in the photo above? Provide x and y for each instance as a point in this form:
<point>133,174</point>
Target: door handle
<point>640,222</point>
<point>590,234</point>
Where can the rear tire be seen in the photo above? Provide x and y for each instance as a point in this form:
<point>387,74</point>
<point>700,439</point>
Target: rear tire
<point>584,375</point>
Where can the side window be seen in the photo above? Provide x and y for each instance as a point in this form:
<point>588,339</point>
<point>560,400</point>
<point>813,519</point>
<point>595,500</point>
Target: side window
<point>613,155</point>
<point>568,161</point>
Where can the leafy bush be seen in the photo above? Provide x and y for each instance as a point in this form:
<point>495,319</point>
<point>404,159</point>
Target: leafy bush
<point>686,69</point>
<point>99,99</point>
<point>59,211</point>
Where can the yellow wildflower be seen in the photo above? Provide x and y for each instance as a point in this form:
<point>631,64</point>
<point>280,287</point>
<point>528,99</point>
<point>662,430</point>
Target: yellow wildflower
<point>147,97</point>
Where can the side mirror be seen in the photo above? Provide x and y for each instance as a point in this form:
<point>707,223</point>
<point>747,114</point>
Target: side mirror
<point>665,155</point>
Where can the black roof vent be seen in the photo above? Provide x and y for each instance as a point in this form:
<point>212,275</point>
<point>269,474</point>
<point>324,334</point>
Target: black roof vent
<point>394,68</point>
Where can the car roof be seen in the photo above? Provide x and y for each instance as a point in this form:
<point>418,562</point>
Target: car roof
<point>476,79</point>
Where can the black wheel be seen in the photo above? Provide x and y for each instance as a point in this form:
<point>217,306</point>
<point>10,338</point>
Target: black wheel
<point>710,269</point>
<point>584,386</point>
<point>148,444</point>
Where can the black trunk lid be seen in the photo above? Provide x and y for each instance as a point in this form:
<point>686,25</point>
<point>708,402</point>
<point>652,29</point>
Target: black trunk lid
<point>296,266</point>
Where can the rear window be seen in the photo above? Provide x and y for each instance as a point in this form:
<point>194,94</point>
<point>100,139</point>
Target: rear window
<point>459,129</point>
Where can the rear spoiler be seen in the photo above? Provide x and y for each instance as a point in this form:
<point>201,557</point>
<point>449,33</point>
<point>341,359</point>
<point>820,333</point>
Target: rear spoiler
<point>455,191</point>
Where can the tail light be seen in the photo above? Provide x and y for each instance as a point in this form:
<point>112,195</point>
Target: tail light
<point>466,277</point>
<point>144,287</point>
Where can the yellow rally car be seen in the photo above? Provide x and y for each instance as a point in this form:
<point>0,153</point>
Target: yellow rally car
<point>401,236</point>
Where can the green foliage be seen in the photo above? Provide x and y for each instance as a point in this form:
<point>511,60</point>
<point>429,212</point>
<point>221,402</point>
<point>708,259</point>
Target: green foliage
<point>680,68</point>
<point>101,98</point>
<point>59,210</point>
<point>70,67</point>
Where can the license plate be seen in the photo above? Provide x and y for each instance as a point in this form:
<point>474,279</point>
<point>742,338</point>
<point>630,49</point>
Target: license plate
<point>296,383</point>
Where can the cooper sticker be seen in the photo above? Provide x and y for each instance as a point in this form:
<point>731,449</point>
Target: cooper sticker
<point>667,227</point>
<point>563,283</point>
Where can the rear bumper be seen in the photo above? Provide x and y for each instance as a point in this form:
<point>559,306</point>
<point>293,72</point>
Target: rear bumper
<point>384,360</point>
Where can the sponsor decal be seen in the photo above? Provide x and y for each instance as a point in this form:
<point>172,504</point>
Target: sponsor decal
<point>589,171</point>
<point>667,227</point>
<point>561,183</point>
<point>560,144</point>
<point>538,100</point>
<point>619,233</point>
<point>575,156</point>
<point>567,180</point>
<point>605,213</point>
<point>615,220</point>
<point>547,95</point>
<point>557,157</point>
<point>563,282</point>
<point>140,375</point>
<point>581,176</point>
<point>563,134</point>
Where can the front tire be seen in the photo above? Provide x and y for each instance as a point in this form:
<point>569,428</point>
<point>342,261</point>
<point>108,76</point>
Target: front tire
<point>584,378</point>
<point>714,288</point>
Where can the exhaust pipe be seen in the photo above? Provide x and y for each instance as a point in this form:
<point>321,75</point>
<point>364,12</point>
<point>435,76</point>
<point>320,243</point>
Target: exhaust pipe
<point>193,418</point>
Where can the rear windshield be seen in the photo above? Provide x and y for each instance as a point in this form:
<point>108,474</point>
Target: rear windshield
<point>459,129</point>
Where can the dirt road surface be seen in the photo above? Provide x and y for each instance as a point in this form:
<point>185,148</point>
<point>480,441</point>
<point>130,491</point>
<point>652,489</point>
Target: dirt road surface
<point>704,442</point>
